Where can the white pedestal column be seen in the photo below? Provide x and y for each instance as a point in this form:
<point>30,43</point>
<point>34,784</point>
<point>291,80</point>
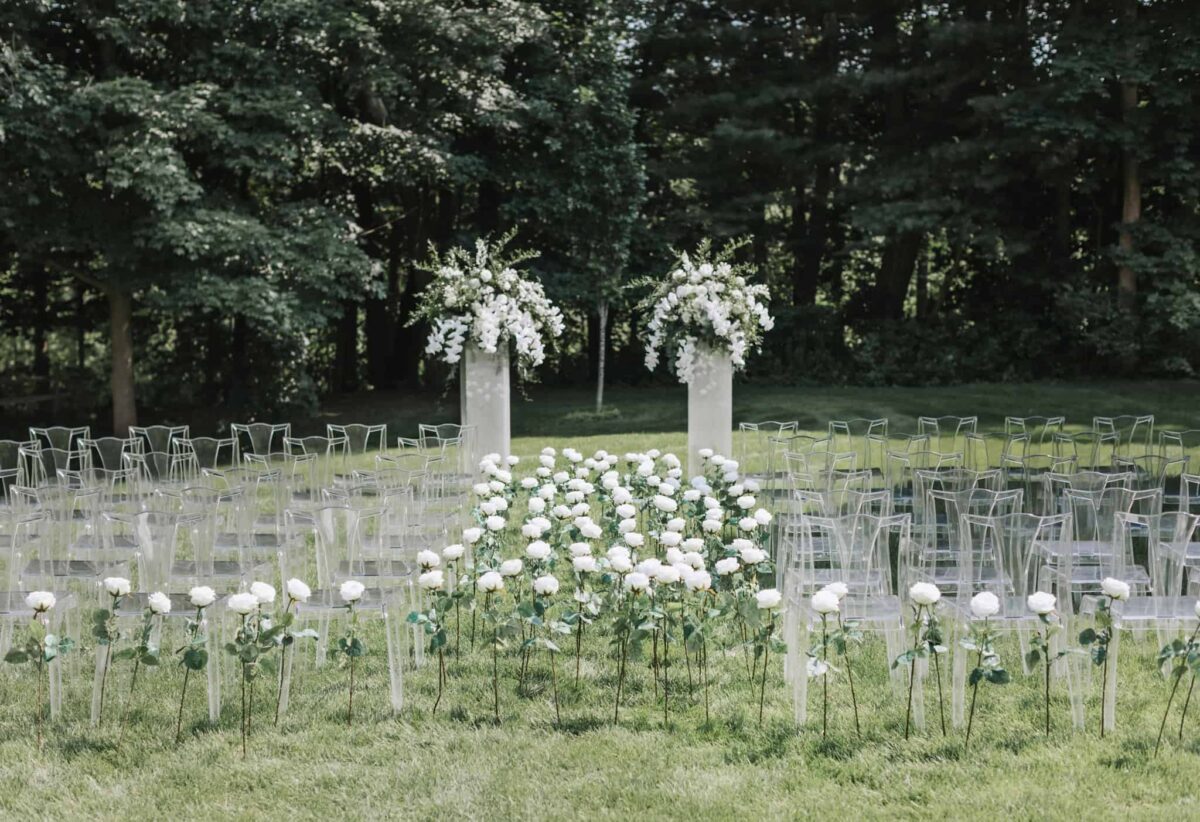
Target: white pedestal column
<point>484,401</point>
<point>710,407</point>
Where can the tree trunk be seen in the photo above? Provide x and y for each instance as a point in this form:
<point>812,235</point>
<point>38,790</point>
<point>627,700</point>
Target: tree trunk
<point>895,271</point>
<point>1131,187</point>
<point>602,341</point>
<point>120,306</point>
<point>41,324</point>
<point>345,376</point>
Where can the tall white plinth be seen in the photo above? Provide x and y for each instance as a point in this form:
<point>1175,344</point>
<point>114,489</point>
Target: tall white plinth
<point>484,401</point>
<point>710,407</point>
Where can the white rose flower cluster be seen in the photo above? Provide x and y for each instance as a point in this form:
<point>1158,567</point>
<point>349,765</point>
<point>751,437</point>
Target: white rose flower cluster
<point>481,297</point>
<point>706,301</point>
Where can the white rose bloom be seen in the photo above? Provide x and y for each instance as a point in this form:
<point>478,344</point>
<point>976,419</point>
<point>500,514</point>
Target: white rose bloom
<point>500,503</point>
<point>481,489</point>
<point>512,459</point>
<point>693,544</point>
<point>924,593</point>
<point>545,586</point>
<point>621,496</point>
<point>770,598</point>
<point>825,601</point>
<point>1115,588</point>
<point>472,535</point>
<point>297,590</point>
<point>985,604</point>
<point>620,563</point>
<point>547,492</point>
<point>626,525</point>
<point>529,483</point>
<point>537,550</point>
<point>711,525</point>
<point>762,516</point>
<point>574,498</point>
<point>694,559</point>
<point>548,451</point>
<point>711,502</point>
<point>676,524</point>
<point>581,509</point>
<point>718,460</point>
<point>543,472</point>
<point>670,538</point>
<point>691,495</point>
<point>511,567</point>
<point>40,601</point>
<point>580,549</point>
<point>487,508</point>
<point>561,477</point>
<point>634,539</point>
<point>495,523</point>
<point>637,582</point>
<point>531,530</point>
<point>705,453</point>
<point>666,575</point>
<point>1041,603</point>
<point>159,603</point>
<point>490,582</point>
<point>584,564</point>
<point>649,566</point>
<point>546,460</point>
<point>537,505</point>
<point>745,502</point>
<point>753,556</point>
<point>727,566</point>
<point>673,555</point>
<point>431,580</point>
<point>453,552</point>
<point>264,593</point>
<point>1196,608</point>
<point>665,504</point>
<point>116,586</point>
<point>202,596</point>
<point>496,486</point>
<point>591,531</point>
<point>698,581</point>
<point>351,590</point>
<point>626,511</point>
<point>243,604</point>
<point>618,550</point>
<point>428,559</point>
<point>838,589</point>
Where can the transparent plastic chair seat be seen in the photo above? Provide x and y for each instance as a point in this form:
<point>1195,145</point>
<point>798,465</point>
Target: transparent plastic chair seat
<point>74,568</point>
<point>396,570</point>
<point>221,569</point>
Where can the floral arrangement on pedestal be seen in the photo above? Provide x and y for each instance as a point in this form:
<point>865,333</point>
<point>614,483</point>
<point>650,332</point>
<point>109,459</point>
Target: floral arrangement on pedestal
<point>481,298</point>
<point>706,301</point>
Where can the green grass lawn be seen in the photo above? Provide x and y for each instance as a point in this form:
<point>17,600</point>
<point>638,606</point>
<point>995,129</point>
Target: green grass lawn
<point>461,764</point>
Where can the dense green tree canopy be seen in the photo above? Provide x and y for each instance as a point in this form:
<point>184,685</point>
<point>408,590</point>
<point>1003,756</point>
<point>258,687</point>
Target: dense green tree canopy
<point>226,203</point>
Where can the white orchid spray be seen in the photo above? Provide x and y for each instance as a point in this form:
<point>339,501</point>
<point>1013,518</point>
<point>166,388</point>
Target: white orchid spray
<point>41,648</point>
<point>705,301</point>
<point>481,298</point>
<point>927,642</point>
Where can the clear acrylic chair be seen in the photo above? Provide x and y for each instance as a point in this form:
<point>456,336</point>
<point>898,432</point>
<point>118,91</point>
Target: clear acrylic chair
<point>868,437</point>
<point>902,467</point>
<point>1088,450</point>
<point>947,433</point>
<point>192,455</point>
<point>1134,433</point>
<point>755,454</point>
<point>158,437</point>
<point>64,438</point>
<point>263,439</point>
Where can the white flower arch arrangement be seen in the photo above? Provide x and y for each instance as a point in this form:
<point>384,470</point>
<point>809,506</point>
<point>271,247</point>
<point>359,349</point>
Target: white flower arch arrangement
<point>706,300</point>
<point>481,297</point>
